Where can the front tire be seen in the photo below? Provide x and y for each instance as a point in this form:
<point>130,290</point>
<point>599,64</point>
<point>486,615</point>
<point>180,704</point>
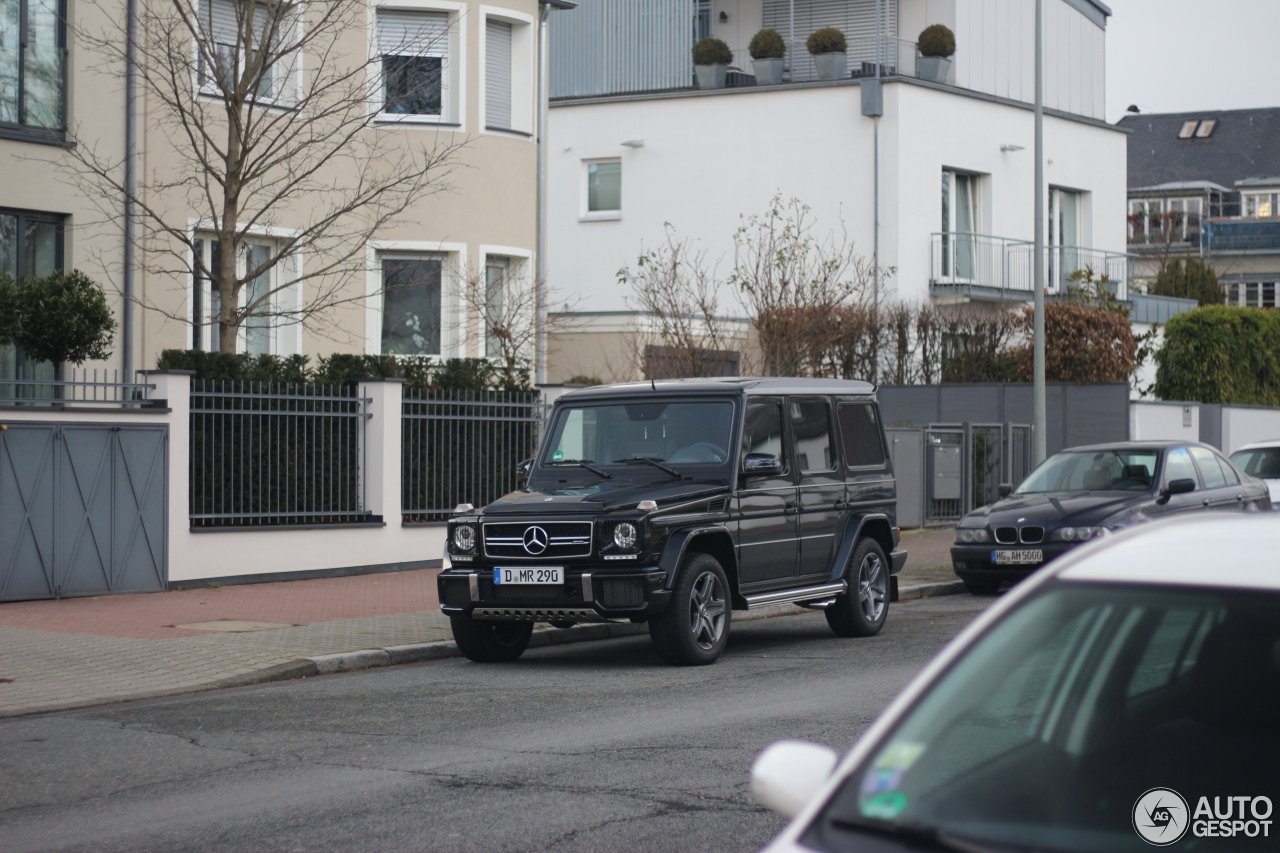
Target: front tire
<point>490,642</point>
<point>694,628</point>
<point>861,612</point>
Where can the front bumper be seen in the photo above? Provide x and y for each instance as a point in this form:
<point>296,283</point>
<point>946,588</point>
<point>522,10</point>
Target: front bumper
<point>974,562</point>
<point>588,595</point>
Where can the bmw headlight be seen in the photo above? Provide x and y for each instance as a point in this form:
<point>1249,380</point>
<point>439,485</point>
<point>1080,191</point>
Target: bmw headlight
<point>624,536</point>
<point>464,537</point>
<point>972,535</point>
<point>1076,534</point>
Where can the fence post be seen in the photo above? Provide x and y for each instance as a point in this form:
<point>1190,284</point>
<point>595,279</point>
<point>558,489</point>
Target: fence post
<point>174,387</point>
<point>380,446</point>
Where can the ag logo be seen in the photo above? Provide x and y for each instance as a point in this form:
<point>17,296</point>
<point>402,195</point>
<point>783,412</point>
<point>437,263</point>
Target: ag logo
<point>1160,816</point>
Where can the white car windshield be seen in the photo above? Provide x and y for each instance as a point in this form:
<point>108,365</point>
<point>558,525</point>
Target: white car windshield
<point>1047,733</point>
<point>1092,471</point>
<point>642,434</point>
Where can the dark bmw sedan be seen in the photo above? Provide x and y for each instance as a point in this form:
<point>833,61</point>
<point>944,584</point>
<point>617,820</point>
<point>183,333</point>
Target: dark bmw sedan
<point>1085,492</point>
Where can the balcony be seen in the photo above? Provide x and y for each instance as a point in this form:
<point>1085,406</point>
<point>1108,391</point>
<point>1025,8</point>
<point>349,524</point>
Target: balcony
<point>987,268</point>
<point>1240,236</point>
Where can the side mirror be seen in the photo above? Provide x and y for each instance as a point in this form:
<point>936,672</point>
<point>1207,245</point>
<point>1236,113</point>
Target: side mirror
<point>790,773</point>
<point>1177,487</point>
<point>523,470</point>
<point>761,465</point>
<point>1004,490</point>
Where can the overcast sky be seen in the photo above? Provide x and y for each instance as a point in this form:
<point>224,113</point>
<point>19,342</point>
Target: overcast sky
<point>1170,56</point>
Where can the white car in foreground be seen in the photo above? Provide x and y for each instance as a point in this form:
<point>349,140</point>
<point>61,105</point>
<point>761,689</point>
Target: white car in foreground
<point>1262,460</point>
<point>1126,696</point>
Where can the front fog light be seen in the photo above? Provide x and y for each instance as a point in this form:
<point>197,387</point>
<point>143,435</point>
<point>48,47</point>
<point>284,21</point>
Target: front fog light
<point>624,536</point>
<point>464,537</point>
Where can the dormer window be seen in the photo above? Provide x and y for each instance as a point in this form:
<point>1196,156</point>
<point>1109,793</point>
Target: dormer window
<point>1197,129</point>
<point>1206,127</point>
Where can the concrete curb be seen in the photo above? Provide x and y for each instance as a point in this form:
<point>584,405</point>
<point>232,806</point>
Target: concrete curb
<point>417,652</point>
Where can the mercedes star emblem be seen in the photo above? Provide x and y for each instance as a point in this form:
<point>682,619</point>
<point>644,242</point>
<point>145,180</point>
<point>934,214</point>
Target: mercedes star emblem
<point>536,540</point>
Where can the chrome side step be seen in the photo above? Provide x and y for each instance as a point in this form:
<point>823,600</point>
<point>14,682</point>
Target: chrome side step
<point>817,594</point>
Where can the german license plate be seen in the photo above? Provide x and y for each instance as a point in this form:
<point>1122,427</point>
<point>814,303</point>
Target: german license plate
<point>529,575</point>
<point>1006,558</point>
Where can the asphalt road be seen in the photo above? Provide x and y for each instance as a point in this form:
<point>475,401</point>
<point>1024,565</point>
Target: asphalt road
<point>588,747</point>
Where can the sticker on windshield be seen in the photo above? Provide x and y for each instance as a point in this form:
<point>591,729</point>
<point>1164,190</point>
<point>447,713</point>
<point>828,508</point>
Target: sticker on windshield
<point>886,805</point>
<point>899,756</point>
<point>881,779</point>
<point>557,456</point>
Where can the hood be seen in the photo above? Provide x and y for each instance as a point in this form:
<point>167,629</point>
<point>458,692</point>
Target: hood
<point>1059,508</point>
<point>596,498</point>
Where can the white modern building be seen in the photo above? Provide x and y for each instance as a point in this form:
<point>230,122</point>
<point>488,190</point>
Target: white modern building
<point>934,179</point>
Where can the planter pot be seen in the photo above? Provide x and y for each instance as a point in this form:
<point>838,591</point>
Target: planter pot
<point>710,76</point>
<point>831,66</point>
<point>768,71</point>
<point>935,68</point>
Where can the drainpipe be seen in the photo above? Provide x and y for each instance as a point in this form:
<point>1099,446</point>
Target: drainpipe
<point>130,184</point>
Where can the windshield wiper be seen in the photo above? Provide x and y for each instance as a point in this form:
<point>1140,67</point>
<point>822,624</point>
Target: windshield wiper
<point>656,463</point>
<point>919,833</point>
<point>582,463</point>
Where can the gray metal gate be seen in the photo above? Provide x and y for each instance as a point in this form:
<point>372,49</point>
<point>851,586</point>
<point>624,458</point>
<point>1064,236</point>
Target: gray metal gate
<point>965,465</point>
<point>82,509</point>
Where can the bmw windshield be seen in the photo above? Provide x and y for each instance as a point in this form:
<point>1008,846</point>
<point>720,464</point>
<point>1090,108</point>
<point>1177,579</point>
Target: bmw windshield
<point>1093,470</point>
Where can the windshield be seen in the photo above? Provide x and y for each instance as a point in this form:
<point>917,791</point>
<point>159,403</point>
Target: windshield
<point>1093,471</point>
<point>1048,732</point>
<point>662,438</point>
<point>1263,462</point>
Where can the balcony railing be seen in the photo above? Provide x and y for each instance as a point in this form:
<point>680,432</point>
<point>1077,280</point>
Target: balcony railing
<point>1241,235</point>
<point>985,266</point>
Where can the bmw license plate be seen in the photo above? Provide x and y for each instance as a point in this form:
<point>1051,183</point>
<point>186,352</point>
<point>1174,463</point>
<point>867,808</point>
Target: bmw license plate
<point>529,575</point>
<point>1022,558</point>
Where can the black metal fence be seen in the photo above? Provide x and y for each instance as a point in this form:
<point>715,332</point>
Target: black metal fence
<point>463,446</point>
<point>82,388</point>
<point>268,454</point>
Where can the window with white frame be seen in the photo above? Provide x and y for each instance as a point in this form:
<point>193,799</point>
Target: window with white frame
<point>416,70</point>
<point>239,38</point>
<point>959,224</point>
<point>602,189</point>
<point>496,271</point>
<point>1261,205</point>
<point>497,75</point>
<point>268,328</point>
<point>412,304</point>
<point>1066,209</point>
<point>1253,294</point>
<point>1161,221</point>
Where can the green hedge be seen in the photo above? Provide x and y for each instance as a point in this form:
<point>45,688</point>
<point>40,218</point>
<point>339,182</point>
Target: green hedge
<point>1221,354</point>
<point>454,374</point>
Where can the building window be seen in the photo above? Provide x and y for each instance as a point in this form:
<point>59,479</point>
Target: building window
<point>33,64</point>
<point>1163,221</point>
<point>1261,205</point>
<point>30,245</point>
<point>270,304</point>
<point>959,224</point>
<point>414,47</point>
<point>412,309</point>
<point>1252,294</point>
<point>496,270</point>
<point>226,52</point>
<point>497,71</point>
<point>603,189</point>
<point>1065,210</point>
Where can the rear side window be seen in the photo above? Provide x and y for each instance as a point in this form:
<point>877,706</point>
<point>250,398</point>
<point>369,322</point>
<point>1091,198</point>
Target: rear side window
<point>811,426</point>
<point>762,429</point>
<point>1209,468</point>
<point>860,430</point>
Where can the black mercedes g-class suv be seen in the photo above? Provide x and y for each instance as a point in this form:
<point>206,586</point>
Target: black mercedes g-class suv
<point>676,502</point>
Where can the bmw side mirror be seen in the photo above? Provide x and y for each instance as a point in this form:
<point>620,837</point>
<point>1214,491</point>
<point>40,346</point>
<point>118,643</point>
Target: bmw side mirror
<point>761,465</point>
<point>522,472</point>
<point>1004,489</point>
<point>1177,487</point>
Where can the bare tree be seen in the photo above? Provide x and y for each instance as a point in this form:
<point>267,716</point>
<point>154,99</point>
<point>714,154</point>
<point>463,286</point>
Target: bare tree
<point>794,285</point>
<point>501,303</point>
<point>678,294</point>
<point>268,111</point>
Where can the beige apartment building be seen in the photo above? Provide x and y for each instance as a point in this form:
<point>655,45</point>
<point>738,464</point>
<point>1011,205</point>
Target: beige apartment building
<point>346,243</point>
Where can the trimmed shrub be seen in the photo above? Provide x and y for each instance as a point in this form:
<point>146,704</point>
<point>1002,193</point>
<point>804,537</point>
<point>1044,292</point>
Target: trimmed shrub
<point>936,40</point>
<point>767,44</point>
<point>826,40</point>
<point>1221,354</point>
<point>60,317</point>
<point>711,51</point>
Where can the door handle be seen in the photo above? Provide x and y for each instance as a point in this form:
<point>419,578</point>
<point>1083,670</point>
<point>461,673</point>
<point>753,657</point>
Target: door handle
<point>841,505</point>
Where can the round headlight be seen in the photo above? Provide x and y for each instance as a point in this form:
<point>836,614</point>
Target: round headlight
<point>624,535</point>
<point>966,535</point>
<point>464,537</point>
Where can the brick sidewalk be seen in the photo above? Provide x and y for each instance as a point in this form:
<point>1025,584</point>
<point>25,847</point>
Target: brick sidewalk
<point>87,651</point>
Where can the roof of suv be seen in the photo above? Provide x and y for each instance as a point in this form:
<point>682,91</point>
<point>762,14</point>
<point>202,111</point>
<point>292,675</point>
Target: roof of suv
<point>729,384</point>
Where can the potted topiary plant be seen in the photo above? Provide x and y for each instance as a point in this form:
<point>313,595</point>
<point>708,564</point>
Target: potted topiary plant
<point>711,58</point>
<point>767,53</point>
<point>828,47</point>
<point>936,45</point>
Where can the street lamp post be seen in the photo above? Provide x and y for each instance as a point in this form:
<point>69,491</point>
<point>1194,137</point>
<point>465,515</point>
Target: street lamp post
<point>1039,415</point>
